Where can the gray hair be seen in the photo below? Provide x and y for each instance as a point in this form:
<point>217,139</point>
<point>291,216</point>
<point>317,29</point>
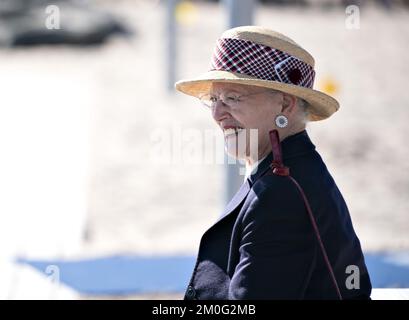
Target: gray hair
<point>302,105</point>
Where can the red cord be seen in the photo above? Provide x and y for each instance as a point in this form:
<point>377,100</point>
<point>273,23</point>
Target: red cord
<point>278,168</point>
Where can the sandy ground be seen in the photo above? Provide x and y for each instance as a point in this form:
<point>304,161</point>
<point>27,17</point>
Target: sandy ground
<point>135,205</point>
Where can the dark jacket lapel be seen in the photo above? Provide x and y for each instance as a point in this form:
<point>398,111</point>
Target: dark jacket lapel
<point>237,199</point>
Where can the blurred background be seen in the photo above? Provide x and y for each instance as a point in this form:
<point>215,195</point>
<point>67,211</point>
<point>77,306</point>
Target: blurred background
<point>87,207</point>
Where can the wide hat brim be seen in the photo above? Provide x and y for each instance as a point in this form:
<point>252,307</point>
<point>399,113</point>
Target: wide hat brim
<point>321,105</point>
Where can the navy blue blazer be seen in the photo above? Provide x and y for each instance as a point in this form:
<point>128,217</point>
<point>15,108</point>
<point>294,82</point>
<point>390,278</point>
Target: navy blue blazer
<point>263,245</point>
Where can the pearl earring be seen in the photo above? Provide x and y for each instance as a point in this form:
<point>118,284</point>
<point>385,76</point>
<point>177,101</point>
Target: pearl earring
<point>281,121</point>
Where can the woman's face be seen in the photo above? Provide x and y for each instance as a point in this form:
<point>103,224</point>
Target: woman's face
<point>252,109</point>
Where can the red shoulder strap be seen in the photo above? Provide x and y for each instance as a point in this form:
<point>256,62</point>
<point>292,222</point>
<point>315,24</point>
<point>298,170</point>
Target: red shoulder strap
<point>279,169</point>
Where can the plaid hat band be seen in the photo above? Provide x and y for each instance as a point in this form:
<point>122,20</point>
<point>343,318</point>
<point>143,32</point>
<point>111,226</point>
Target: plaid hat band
<point>263,62</point>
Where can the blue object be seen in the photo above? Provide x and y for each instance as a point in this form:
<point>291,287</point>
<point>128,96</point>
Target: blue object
<point>122,275</point>
<point>388,270</point>
<point>125,275</point>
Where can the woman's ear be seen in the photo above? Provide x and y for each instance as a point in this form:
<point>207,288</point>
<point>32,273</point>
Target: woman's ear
<point>289,105</point>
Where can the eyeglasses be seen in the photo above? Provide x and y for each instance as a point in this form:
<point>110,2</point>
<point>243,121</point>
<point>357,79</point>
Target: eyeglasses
<point>230,99</point>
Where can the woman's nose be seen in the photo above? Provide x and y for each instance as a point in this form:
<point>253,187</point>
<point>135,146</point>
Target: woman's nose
<point>219,110</point>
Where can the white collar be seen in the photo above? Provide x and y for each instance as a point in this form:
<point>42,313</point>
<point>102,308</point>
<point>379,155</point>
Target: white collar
<point>250,169</point>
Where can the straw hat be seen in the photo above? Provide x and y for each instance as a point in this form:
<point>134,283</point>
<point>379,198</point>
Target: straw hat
<point>258,56</point>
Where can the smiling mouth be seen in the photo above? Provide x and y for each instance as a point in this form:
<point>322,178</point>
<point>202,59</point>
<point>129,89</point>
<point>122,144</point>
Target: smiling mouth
<point>232,131</point>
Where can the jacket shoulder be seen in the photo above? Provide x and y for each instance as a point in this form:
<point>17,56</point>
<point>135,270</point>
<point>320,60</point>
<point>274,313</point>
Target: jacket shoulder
<point>274,197</point>
<point>274,187</point>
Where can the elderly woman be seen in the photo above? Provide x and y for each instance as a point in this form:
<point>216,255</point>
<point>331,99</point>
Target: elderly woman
<point>287,233</point>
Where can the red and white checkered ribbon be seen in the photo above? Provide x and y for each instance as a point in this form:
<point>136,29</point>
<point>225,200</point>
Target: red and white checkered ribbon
<point>263,62</point>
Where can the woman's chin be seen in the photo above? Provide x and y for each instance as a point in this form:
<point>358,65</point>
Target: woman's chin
<point>235,145</point>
